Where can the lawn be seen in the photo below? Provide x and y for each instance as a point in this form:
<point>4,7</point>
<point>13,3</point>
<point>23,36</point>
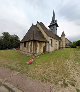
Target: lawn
<point>50,67</point>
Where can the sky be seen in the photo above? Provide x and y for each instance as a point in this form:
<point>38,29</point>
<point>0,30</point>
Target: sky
<point>16,16</point>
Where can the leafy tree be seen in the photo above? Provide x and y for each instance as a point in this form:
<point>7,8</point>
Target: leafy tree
<point>8,41</point>
<point>76,43</point>
<point>15,41</point>
<point>1,43</point>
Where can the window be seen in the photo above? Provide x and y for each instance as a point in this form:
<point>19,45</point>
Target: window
<point>24,44</point>
<point>51,42</point>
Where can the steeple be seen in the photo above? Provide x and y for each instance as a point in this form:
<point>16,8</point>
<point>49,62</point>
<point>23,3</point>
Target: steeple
<point>53,25</point>
<point>53,18</point>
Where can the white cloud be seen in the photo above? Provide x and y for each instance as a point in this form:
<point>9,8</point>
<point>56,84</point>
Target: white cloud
<point>16,16</point>
<point>70,28</point>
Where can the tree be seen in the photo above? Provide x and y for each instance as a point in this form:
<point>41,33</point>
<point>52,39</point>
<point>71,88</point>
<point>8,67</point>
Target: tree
<point>15,42</point>
<point>1,43</point>
<point>76,43</point>
<point>73,45</point>
<point>8,41</point>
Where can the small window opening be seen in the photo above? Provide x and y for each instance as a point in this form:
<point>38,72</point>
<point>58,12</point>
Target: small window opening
<point>24,44</point>
<point>51,42</point>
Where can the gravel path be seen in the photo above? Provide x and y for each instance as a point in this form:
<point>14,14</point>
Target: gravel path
<point>22,82</point>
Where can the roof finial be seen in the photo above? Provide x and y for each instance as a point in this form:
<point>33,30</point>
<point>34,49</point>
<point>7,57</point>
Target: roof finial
<point>63,34</point>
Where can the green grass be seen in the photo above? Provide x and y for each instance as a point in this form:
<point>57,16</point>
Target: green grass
<point>50,67</point>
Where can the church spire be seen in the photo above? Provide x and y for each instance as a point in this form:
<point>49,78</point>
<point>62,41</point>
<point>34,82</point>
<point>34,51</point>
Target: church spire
<point>53,18</point>
<point>53,25</point>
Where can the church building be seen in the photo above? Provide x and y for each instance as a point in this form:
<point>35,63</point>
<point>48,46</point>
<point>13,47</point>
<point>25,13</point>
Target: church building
<point>40,39</point>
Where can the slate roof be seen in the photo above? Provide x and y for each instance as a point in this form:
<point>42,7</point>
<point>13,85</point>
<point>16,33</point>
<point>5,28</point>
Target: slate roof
<point>48,32</point>
<point>68,40</point>
<point>33,34</point>
<point>53,23</point>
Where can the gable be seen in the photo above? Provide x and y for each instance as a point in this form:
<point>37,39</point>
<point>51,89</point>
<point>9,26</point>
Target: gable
<point>33,34</point>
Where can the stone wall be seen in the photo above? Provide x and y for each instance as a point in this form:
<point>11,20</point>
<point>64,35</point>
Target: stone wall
<point>49,46</point>
<point>32,47</point>
<point>63,42</point>
<point>54,45</point>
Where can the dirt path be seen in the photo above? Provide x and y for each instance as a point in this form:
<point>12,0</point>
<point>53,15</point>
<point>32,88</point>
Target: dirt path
<point>22,82</point>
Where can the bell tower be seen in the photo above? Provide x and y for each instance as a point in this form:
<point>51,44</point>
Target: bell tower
<point>53,25</point>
